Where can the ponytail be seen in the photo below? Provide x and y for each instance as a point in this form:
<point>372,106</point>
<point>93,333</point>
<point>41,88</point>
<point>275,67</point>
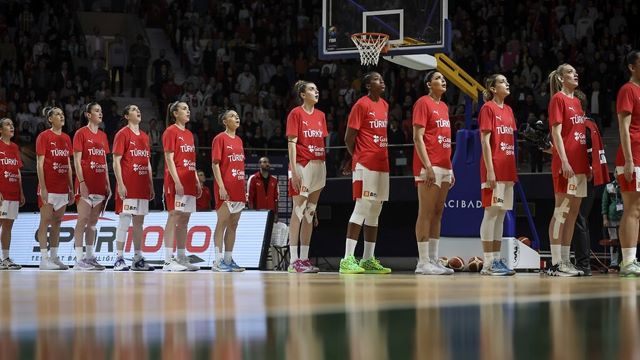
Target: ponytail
<point>223,115</point>
<point>299,87</point>
<point>489,83</point>
<point>555,77</point>
<point>47,112</point>
<point>88,108</point>
<point>170,109</point>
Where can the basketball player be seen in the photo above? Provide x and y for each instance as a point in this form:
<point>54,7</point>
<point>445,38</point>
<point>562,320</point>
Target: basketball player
<point>628,165</point>
<point>569,166</point>
<point>181,185</point>
<point>132,170</point>
<point>431,170</point>
<point>497,171</point>
<point>366,140</point>
<point>306,131</point>
<point>11,194</point>
<point>227,162</point>
<point>90,149</point>
<point>55,185</point>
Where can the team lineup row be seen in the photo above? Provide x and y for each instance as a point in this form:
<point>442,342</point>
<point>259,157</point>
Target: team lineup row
<point>366,140</point>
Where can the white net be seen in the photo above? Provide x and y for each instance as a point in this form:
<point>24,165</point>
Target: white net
<point>369,45</point>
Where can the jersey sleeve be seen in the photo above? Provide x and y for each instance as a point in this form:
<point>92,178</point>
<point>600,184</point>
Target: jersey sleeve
<point>16,150</point>
<point>420,114</point>
<point>169,141</point>
<point>624,101</point>
<point>105,143</point>
<point>78,141</point>
<point>41,144</point>
<point>67,139</point>
<point>216,149</point>
<point>325,131</point>
<point>556,110</point>
<point>251,193</point>
<point>485,119</point>
<point>293,124</point>
<point>118,144</point>
<point>356,116</point>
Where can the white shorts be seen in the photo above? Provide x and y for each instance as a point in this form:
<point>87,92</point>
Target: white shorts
<point>9,209</point>
<point>235,206</point>
<point>442,175</point>
<point>369,184</point>
<point>313,176</point>
<point>93,199</point>
<point>185,203</point>
<point>500,196</point>
<point>135,206</point>
<point>577,185</point>
<point>57,200</point>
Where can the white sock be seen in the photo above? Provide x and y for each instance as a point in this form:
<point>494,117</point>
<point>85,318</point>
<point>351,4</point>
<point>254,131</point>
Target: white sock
<point>5,254</point>
<point>350,248</point>
<point>219,254</point>
<point>565,253</point>
<point>628,255</point>
<point>181,253</point>
<point>137,252</point>
<point>423,252</point>
<point>433,248</point>
<point>304,252</point>
<point>228,256</point>
<point>168,254</point>
<point>369,248</point>
<point>488,257</point>
<point>43,253</point>
<point>556,254</point>
<point>497,255</point>
<point>79,253</point>
<point>119,253</point>
<point>89,250</point>
<point>54,251</point>
<point>293,253</point>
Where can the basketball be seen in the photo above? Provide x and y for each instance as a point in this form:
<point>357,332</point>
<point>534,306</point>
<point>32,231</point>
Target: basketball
<point>456,263</point>
<point>525,240</point>
<point>444,261</point>
<point>475,264</point>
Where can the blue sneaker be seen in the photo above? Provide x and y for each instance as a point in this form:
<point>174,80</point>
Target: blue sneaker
<point>234,267</point>
<point>140,264</point>
<point>494,269</point>
<point>503,264</point>
<point>221,266</point>
<point>120,265</point>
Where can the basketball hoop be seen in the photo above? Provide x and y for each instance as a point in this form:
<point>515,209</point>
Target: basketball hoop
<point>370,45</point>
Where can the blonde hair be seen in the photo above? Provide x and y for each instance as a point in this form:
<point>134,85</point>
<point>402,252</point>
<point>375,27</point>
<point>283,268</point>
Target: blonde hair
<point>489,83</point>
<point>555,83</point>
<point>299,87</point>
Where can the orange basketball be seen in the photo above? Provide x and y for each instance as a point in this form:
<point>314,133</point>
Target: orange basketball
<point>475,264</point>
<point>444,261</point>
<point>456,263</point>
<point>525,240</point>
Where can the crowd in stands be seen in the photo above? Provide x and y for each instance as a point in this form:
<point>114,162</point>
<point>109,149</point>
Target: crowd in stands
<point>248,54</point>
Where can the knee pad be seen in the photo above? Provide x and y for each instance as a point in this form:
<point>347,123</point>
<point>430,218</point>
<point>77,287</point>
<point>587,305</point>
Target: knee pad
<point>123,227</point>
<point>299,210</point>
<point>558,215</point>
<point>309,212</point>
<point>374,213</point>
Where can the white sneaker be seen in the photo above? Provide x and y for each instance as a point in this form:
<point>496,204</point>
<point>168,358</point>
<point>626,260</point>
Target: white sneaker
<point>173,265</point>
<point>47,264</point>
<point>419,268</point>
<point>56,260</point>
<point>184,261</point>
<point>447,271</point>
<point>575,269</point>
<point>431,268</point>
<point>567,267</point>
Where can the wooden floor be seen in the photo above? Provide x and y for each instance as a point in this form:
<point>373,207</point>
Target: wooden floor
<point>269,315</point>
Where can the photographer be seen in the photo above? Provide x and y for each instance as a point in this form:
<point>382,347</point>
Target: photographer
<point>536,134</point>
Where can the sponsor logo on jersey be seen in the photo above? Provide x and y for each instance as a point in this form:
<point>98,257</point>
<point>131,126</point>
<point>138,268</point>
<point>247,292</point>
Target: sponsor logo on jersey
<point>443,123</point>
<point>97,167</point>
<point>463,204</point>
<point>316,150</point>
<point>498,117</point>
<point>444,141</point>
<point>380,140</point>
<point>367,193</point>
<point>59,152</point>
<point>435,112</point>
<point>577,119</point>
<point>9,161</point>
<point>60,168</point>
<point>191,165</point>
<point>312,133</point>
<point>229,147</point>
<point>90,141</point>
<point>238,174</point>
<point>96,152</point>
<point>504,130</point>
<point>581,138</point>
<point>187,148</point>
<point>141,169</point>
<point>507,148</point>
<point>235,157</point>
<point>139,153</point>
<point>378,124</point>
<point>11,177</point>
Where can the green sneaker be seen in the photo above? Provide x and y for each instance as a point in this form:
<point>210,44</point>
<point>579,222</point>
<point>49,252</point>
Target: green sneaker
<point>631,269</point>
<point>349,265</point>
<point>372,266</point>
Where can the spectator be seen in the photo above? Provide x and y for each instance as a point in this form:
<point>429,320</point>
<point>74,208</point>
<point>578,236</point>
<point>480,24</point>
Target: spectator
<point>203,203</point>
<point>611,214</point>
<point>118,62</point>
<point>139,55</point>
<point>246,81</point>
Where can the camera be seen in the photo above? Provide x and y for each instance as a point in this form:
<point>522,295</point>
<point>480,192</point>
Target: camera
<point>537,134</point>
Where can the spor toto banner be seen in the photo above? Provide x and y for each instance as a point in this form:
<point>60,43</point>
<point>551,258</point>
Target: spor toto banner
<point>247,252</point>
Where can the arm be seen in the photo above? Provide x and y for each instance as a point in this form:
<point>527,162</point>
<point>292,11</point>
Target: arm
<point>487,157</point>
<point>43,185</point>
<point>605,207</point>
<point>77,162</point>
<point>350,139</point>
<point>152,192</point>
<point>70,178</point>
<point>251,193</point>
<point>198,185</point>
<point>624,119</point>
<point>556,134</point>
<point>421,150</point>
<point>117,171</point>
<point>22,199</point>
<point>173,172</point>
<point>217,176</point>
<point>296,181</point>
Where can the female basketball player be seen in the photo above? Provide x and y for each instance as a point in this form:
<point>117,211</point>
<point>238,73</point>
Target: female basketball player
<point>132,169</point>
<point>181,185</point>
<point>497,170</point>
<point>11,195</point>
<point>306,130</point>
<point>227,162</point>
<point>628,164</point>
<point>366,140</point>
<point>55,185</point>
<point>90,149</point>
<point>569,166</point>
<point>431,170</point>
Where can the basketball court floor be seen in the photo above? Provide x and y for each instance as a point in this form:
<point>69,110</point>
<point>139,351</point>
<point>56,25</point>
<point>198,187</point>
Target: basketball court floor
<point>272,315</point>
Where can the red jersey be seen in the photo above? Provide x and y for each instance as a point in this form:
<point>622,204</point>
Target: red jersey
<point>434,118</point>
<point>180,142</point>
<point>203,203</point>
<point>629,101</point>
<point>500,122</point>
<point>10,164</point>
<point>370,119</point>
<point>310,129</point>
<point>135,152</point>
<point>56,150</point>
<point>94,149</point>
<point>228,152</point>
<point>568,112</point>
<point>263,196</point>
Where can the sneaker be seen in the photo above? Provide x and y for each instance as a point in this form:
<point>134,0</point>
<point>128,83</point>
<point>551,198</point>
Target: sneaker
<point>299,266</point>
<point>503,265</point>
<point>47,264</point>
<point>349,265</point>
<point>184,261</point>
<point>8,264</point>
<point>310,265</point>
<point>56,260</point>
<point>94,262</point>
<point>430,268</point>
<point>561,270</point>
<point>495,268</point>
<point>585,270</point>
<point>234,267</point>
<point>373,266</point>
<point>631,269</point>
<point>120,265</point>
<point>140,264</point>
<point>173,265</point>
<point>439,265</point>
<point>220,266</point>
<point>573,268</point>
<point>82,265</point>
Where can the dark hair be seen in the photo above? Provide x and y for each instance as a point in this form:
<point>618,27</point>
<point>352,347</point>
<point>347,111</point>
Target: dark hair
<point>126,110</point>
<point>47,111</point>
<point>170,109</point>
<point>555,78</point>
<point>223,115</point>
<point>299,87</point>
<point>89,107</point>
<point>429,76</point>
<point>366,79</point>
<point>632,57</point>
<point>3,120</point>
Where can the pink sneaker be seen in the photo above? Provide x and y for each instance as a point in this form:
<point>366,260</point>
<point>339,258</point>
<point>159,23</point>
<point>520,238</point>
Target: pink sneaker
<point>299,266</point>
<point>308,264</point>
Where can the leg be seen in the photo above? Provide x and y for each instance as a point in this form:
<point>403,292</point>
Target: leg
<point>46,215</point>
<point>5,236</point>
<point>628,233</point>
<point>137,232</point>
<point>223,215</point>
<point>56,219</point>
<point>181,229</point>
<point>297,217</point>
<point>436,220</point>
<point>170,232</point>
<point>84,213</point>
<point>307,224</point>
<point>487,231</point>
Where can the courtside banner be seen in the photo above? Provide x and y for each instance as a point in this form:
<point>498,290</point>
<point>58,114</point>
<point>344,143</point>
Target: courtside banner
<point>247,252</point>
